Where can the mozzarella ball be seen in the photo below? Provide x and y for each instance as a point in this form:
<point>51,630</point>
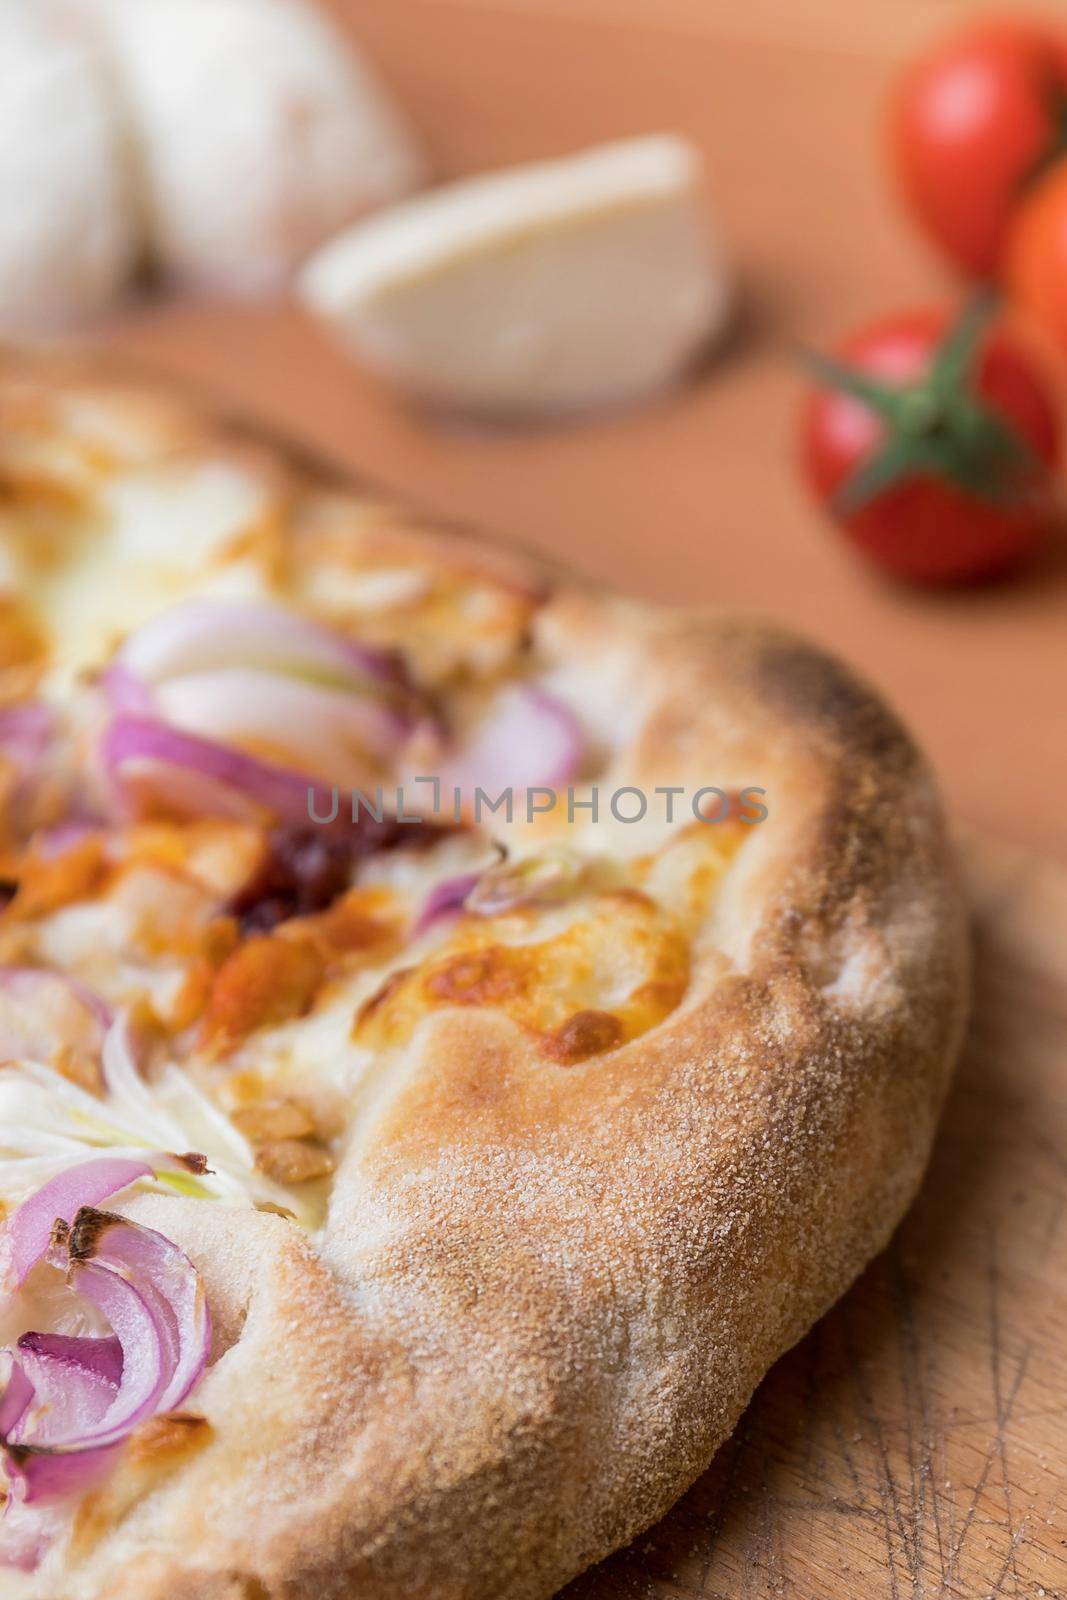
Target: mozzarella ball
<point>66,230</point>
<point>257,129</point>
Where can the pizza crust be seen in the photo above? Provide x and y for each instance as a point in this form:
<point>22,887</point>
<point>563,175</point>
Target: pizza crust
<point>544,1294</point>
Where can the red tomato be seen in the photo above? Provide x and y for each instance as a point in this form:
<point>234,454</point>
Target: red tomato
<point>956,509</point>
<point>1035,268</point>
<point>971,122</point>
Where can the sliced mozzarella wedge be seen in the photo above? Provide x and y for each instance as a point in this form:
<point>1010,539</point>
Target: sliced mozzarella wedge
<point>570,284</point>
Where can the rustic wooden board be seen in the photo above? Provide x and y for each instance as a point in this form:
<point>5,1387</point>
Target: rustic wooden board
<point>915,1444</point>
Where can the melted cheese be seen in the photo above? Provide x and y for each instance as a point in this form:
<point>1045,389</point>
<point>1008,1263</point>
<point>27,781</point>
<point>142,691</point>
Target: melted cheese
<point>147,539</point>
<point>618,967</point>
<point>103,525</point>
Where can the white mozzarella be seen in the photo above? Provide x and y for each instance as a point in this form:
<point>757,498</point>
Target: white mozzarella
<point>66,229</point>
<point>258,130</point>
<point>154,537</point>
<point>569,284</point>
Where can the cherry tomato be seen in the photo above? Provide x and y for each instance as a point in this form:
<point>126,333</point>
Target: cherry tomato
<point>1035,268</point>
<point>932,443</point>
<point>973,121</point>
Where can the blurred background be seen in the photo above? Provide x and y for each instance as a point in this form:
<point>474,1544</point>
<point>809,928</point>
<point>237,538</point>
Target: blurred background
<point>162,199</point>
<point>695,496</point>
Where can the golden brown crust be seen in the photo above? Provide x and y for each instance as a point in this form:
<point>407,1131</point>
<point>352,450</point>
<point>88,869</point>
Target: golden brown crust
<point>547,1288</point>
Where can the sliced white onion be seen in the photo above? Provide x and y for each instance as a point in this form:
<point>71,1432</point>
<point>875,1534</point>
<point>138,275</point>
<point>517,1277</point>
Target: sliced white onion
<point>204,634</point>
<point>49,1125</point>
<point>158,767</point>
<point>333,732</point>
<point>548,878</point>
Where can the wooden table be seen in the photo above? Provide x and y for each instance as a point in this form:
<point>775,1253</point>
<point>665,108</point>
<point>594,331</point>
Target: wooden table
<point>694,499</point>
<point>916,1444</point>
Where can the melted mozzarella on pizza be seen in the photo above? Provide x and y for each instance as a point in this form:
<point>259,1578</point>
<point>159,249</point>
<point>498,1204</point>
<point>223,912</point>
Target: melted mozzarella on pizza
<point>277,988</point>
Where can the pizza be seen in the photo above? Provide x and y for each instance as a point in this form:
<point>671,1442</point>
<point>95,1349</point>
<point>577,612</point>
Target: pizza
<point>458,1026</point>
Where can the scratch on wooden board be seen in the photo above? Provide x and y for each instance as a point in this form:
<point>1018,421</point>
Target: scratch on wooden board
<point>1003,1408</point>
<point>887,1488</point>
<point>916,1401</point>
<point>1009,1563</point>
<point>998,1402</point>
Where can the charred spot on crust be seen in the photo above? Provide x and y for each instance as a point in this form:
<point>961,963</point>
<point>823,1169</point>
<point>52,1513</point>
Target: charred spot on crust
<point>585,1034</point>
<point>816,688</point>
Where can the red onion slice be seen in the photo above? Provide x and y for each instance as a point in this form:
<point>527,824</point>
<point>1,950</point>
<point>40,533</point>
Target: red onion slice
<point>153,764</point>
<point>127,694</point>
<point>75,1380</point>
<point>25,1532</point>
<point>68,1403</point>
<point>445,900</point>
<point>98,1358</point>
<point>29,1233</point>
<point>171,1287</point>
<point>43,1486</point>
<point>41,1477</point>
<point>146,1369</point>
<point>203,634</point>
<point>529,739</point>
<point>16,1396</point>
<point>332,731</point>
